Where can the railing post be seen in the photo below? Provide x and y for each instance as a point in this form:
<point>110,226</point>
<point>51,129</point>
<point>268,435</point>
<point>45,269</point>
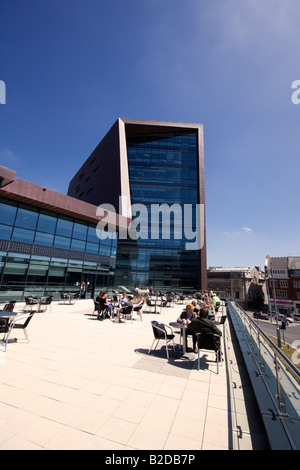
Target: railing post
<point>260,354</point>
<point>278,396</point>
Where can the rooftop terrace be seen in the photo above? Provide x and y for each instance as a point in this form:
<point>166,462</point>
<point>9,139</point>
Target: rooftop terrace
<point>86,384</point>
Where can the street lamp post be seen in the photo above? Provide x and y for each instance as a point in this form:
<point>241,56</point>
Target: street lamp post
<point>268,293</point>
<point>267,277</point>
<point>276,312</point>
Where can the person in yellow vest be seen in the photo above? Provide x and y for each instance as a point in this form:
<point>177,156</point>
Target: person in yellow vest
<point>216,302</point>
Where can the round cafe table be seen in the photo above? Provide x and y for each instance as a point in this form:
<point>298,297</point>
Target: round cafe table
<point>183,327</point>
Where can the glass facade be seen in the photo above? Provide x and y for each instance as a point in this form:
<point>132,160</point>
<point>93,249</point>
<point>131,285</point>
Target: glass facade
<point>42,252</point>
<point>163,169</point>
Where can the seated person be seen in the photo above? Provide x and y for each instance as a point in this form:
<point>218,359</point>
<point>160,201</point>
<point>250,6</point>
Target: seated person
<point>186,317</point>
<point>124,298</point>
<point>210,307</point>
<point>103,302</point>
<point>202,324</point>
<point>128,303</point>
<point>196,309</point>
<point>138,307</point>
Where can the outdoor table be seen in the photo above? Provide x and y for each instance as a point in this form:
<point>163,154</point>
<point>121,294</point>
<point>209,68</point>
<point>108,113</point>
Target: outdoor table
<point>183,327</point>
<point>70,296</point>
<point>7,314</point>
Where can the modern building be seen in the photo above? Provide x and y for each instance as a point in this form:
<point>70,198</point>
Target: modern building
<point>152,171</point>
<point>284,282</point>
<point>49,243</point>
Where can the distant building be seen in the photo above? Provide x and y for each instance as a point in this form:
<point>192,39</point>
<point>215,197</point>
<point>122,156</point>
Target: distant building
<point>285,271</point>
<point>246,285</point>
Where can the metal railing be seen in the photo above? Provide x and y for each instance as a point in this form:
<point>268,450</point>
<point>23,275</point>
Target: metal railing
<point>275,380</point>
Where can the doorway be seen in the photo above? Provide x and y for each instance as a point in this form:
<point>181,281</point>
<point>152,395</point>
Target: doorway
<point>90,280</point>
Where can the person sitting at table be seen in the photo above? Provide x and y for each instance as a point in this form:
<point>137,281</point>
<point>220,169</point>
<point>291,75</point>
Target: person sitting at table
<point>128,303</point>
<point>186,317</point>
<point>124,298</point>
<point>209,306</point>
<point>202,324</point>
<point>195,305</point>
<point>138,307</point>
<point>103,303</point>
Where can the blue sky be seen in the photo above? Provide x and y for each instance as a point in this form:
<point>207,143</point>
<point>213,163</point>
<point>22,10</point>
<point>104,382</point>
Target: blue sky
<point>72,67</point>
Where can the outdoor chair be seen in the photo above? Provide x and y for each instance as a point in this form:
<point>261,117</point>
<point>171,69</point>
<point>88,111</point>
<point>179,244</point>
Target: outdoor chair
<point>96,306</point>
<point>7,325</point>
<point>10,306</point>
<point>222,320</point>
<point>127,312</point>
<point>150,304</point>
<point>64,297</point>
<point>30,302</point>
<point>76,297</point>
<point>208,341</point>
<point>102,312</point>
<point>4,328</point>
<point>21,326</point>
<point>160,333</point>
<point>46,301</point>
<point>163,304</point>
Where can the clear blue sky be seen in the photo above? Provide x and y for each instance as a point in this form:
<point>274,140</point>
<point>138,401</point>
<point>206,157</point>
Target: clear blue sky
<point>72,67</point>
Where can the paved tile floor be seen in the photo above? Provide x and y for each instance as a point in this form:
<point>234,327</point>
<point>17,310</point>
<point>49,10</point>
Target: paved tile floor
<point>86,384</point>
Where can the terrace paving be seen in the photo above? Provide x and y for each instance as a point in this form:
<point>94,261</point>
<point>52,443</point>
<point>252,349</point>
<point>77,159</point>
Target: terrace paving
<point>84,384</point>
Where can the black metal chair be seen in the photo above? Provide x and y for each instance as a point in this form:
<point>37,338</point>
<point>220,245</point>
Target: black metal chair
<point>150,304</point>
<point>127,312</point>
<point>46,301</point>
<point>10,306</point>
<point>4,328</point>
<point>96,306</point>
<point>7,325</point>
<point>64,297</point>
<point>101,310</point>
<point>162,305</point>
<point>210,342</point>
<point>30,301</point>
<point>21,326</point>
<point>160,333</point>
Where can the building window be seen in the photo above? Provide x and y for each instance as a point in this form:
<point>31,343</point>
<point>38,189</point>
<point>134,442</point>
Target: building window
<point>284,284</point>
<point>26,219</point>
<point>281,294</point>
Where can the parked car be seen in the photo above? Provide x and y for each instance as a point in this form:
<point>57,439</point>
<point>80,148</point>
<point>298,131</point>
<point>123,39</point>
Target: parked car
<point>296,316</point>
<point>261,316</point>
<point>285,318</point>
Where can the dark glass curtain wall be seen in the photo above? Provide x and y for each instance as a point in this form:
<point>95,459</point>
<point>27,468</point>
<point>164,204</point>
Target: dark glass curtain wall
<point>46,253</point>
<point>163,168</point>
